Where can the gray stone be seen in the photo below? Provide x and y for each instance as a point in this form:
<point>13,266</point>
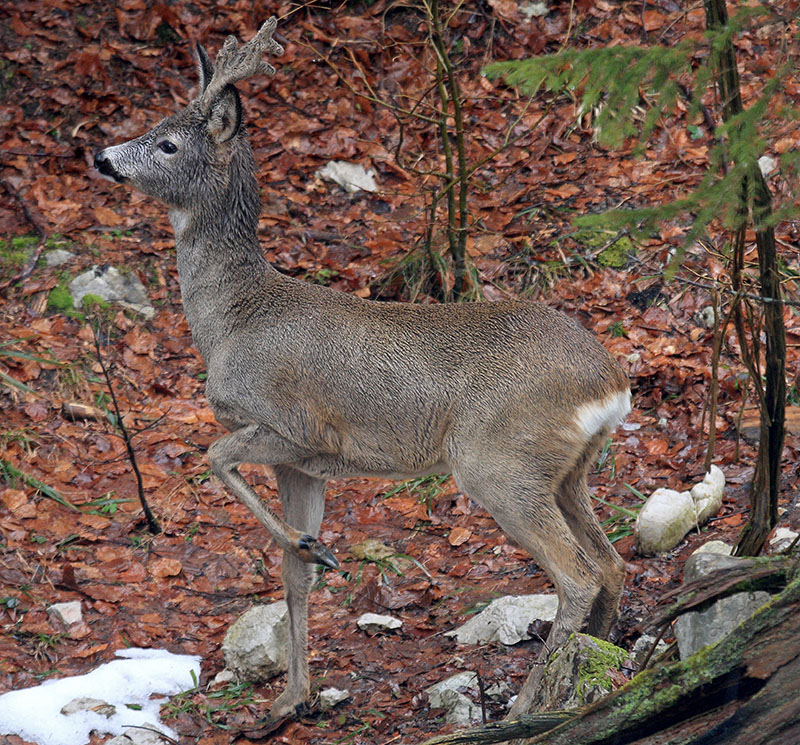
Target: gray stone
<point>223,677</point>
<point>58,256</point>
<point>506,619</point>
<point>767,165</point>
<point>714,547</point>
<point>332,696</point>
<point>449,695</point>
<point>577,673</point>
<point>783,538</point>
<point>140,736</point>
<point>68,613</point>
<point>113,286</point>
<point>89,704</point>
<point>374,622</point>
<point>697,629</point>
<point>257,643</point>
<point>535,9</point>
<point>641,649</point>
<point>352,177</point>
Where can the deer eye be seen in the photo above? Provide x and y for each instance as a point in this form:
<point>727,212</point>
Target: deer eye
<point>165,146</point>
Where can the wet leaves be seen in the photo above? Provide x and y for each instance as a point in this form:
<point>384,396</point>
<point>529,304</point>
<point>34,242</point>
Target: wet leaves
<point>74,77</point>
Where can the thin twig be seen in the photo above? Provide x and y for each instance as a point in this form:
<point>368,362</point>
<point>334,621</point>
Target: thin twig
<point>152,523</point>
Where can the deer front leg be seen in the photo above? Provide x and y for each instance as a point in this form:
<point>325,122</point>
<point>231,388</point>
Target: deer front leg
<point>258,444</point>
<point>303,499</point>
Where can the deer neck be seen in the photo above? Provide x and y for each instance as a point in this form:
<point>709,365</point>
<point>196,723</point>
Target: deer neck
<point>219,259</point>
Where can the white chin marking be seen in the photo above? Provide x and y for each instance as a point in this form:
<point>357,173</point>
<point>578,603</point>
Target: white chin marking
<point>604,414</point>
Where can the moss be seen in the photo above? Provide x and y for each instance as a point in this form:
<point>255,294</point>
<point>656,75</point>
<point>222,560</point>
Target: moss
<point>60,300</point>
<point>594,670</point>
<point>614,256</point>
<point>24,242</point>
<point>95,302</point>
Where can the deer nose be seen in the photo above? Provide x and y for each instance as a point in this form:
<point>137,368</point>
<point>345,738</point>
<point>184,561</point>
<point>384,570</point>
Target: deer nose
<point>103,164</point>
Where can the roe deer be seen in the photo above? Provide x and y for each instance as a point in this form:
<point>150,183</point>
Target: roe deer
<point>513,398</point>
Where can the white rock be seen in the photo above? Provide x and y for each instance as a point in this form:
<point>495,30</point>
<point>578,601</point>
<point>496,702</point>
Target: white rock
<point>707,495</point>
<point>664,519</point>
<point>642,647</point>
<point>667,516</point>
<point>114,287</point>
<point>68,613</point>
<point>782,539</point>
<point>352,177</point>
<point>332,696</point>
<point>534,9</point>
<point>58,256</point>
<point>257,643</point>
<point>506,619</point>
<point>705,317</point>
<point>223,677</point>
<point>448,695</point>
<point>85,703</point>
<point>140,736</point>
<point>697,629</point>
<point>767,165</point>
<point>376,622</point>
<point>714,547</point>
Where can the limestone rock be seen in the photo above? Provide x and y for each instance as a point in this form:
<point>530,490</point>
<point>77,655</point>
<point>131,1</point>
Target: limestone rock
<point>697,629</point>
<point>113,286</point>
<point>257,643</point>
<point>449,695</point>
<point>58,256</point>
<point>667,516</point>
<point>89,704</point>
<point>332,696</point>
<point>781,540</point>
<point>140,736</point>
<point>352,177</point>
<point>578,673</point>
<point>374,622</point>
<point>68,613</point>
<point>506,619</point>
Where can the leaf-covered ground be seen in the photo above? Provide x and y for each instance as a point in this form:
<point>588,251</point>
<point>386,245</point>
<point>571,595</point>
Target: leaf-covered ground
<point>75,76</point>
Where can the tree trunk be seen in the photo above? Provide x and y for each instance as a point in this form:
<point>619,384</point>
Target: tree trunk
<point>757,201</point>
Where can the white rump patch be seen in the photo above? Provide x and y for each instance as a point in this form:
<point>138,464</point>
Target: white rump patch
<point>604,414</point>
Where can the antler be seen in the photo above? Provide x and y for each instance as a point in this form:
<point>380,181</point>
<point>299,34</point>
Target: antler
<point>234,63</point>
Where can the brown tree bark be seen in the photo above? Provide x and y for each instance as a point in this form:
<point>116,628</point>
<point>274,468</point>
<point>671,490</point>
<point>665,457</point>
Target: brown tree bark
<point>756,200</point>
<point>740,691</point>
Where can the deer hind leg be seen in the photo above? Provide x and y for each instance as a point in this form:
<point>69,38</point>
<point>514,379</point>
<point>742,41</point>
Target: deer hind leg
<point>575,504</point>
<point>258,444</point>
<point>303,499</point>
<point>525,507</point>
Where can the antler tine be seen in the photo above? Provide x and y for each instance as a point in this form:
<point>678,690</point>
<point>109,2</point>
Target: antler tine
<point>236,63</point>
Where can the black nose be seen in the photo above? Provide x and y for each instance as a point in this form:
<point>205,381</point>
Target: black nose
<point>103,164</point>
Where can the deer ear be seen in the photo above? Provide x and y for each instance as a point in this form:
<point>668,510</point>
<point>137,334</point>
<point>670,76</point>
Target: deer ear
<point>205,68</point>
<point>225,117</point>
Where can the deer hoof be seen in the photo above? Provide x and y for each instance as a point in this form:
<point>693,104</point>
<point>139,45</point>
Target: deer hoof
<point>314,552</point>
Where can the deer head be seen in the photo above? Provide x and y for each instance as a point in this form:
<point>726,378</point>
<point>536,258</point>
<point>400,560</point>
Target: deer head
<point>187,156</point>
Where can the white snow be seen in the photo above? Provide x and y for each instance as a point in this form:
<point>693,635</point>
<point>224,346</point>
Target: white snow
<point>35,713</point>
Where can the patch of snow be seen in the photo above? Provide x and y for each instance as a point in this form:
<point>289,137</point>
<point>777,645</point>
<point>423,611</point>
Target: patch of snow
<point>35,713</point>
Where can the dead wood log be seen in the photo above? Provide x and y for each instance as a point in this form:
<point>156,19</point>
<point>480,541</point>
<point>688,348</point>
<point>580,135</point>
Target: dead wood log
<point>740,691</point>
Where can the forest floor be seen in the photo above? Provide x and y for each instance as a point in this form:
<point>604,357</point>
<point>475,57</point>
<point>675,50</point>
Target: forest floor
<point>76,76</point>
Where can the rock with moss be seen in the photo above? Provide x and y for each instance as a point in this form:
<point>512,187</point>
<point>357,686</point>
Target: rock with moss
<point>113,286</point>
<point>579,672</point>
